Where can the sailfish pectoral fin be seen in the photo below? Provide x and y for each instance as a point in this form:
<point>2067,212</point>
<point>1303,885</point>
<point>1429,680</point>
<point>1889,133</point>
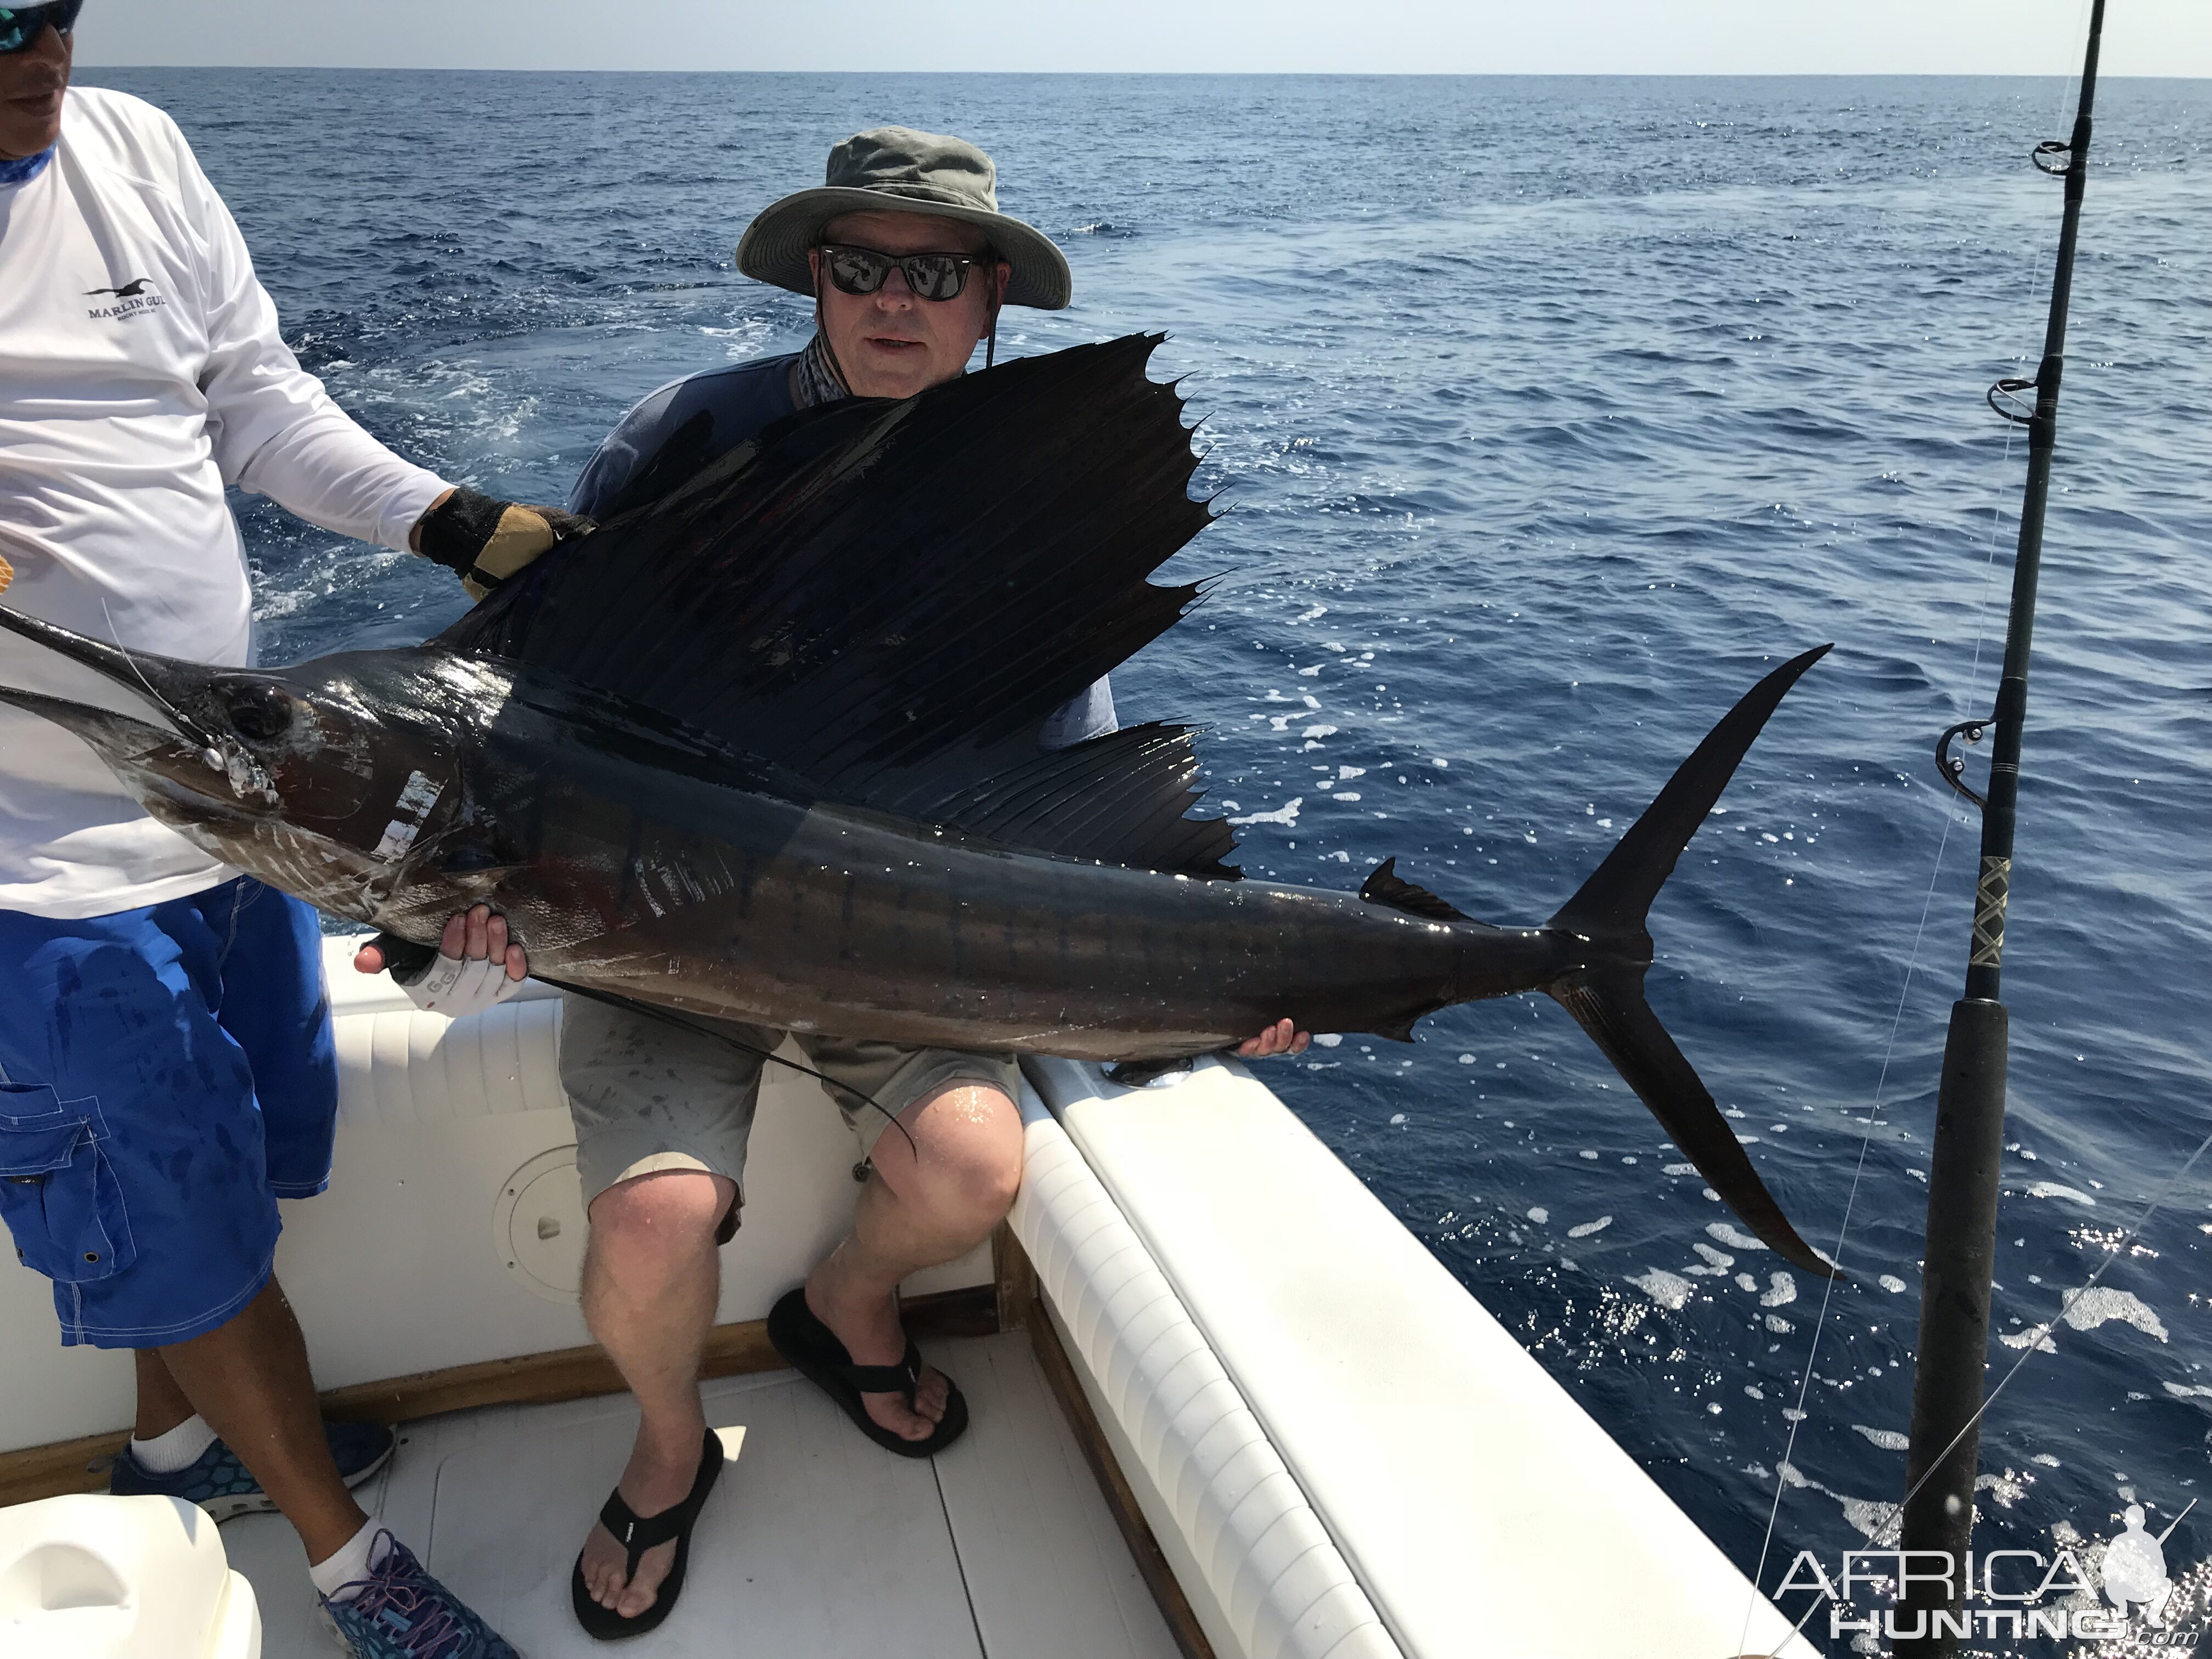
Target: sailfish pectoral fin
<point>1611,1008</point>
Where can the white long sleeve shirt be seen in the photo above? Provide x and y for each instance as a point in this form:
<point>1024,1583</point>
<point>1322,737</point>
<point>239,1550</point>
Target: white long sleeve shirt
<point>141,372</point>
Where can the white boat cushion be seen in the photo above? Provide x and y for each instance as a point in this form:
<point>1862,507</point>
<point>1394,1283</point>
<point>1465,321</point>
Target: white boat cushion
<point>1477,1505</point>
<point>1267,1561</point>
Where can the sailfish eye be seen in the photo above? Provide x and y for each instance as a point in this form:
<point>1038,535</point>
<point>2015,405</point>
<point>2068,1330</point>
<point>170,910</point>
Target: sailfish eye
<point>260,712</point>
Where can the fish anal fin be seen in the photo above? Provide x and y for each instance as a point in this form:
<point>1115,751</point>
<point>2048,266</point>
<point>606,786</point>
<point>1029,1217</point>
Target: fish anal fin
<point>1386,886</point>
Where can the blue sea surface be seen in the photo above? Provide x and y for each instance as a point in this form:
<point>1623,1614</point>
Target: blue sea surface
<point>1548,414</point>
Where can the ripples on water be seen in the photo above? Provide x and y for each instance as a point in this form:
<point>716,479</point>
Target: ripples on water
<point>1550,413</point>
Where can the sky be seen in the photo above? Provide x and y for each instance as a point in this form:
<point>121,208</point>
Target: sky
<point>1462,37</point>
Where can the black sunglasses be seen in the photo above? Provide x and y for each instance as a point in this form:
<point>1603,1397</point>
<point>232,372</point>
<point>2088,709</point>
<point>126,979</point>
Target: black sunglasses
<point>931,276</point>
<point>21,26</point>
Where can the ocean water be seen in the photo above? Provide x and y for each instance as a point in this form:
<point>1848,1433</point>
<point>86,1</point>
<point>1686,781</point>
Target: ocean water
<point>1549,413</point>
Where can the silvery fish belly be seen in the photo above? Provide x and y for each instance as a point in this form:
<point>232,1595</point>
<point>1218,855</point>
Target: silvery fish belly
<point>771,749</point>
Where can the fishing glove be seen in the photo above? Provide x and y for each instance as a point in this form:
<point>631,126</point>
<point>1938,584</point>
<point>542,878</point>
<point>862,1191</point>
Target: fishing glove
<point>453,986</point>
<point>484,541</point>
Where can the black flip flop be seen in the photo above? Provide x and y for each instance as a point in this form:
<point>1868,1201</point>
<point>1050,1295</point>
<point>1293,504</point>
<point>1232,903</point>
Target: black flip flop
<point>816,1353</point>
<point>637,1533</point>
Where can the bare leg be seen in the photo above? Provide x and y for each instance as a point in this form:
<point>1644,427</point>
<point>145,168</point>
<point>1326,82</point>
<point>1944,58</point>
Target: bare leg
<point>161,1403</point>
<point>924,1203</point>
<point>250,1379</point>
<point>651,1280</point>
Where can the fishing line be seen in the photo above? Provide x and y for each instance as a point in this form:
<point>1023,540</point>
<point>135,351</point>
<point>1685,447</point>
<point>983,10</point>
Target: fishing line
<point>2035,1346</point>
<point>188,728</point>
<point>1896,1020</point>
<point>1843,1232</point>
<point>1881,1079</point>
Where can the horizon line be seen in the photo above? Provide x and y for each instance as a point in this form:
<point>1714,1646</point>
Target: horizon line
<point>1200,74</point>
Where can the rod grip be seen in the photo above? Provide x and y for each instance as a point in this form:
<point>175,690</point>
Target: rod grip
<point>1954,1301</point>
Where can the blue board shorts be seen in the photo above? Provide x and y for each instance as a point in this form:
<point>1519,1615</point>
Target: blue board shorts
<point>167,1074</point>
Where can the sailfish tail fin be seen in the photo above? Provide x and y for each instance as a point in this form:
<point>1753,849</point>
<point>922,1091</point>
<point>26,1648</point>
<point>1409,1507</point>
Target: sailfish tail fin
<point>1605,995</point>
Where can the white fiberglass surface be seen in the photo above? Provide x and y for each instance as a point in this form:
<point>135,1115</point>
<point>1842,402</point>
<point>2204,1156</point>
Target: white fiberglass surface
<point>815,1541</point>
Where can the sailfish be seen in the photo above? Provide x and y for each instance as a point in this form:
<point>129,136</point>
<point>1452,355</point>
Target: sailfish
<point>767,750</point>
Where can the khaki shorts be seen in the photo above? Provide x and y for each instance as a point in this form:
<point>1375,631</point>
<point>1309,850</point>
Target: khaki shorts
<point>648,1095</point>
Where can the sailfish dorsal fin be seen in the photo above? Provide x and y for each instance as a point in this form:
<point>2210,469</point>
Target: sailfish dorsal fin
<point>891,597</point>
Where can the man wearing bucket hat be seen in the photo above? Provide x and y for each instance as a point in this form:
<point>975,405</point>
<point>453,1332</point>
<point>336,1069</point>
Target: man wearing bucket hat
<point>907,260</point>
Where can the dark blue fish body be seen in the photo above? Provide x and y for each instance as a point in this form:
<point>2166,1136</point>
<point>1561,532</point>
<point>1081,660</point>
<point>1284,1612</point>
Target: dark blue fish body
<point>767,750</point>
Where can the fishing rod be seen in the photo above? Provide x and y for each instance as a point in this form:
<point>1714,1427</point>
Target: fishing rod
<point>1944,1452</point>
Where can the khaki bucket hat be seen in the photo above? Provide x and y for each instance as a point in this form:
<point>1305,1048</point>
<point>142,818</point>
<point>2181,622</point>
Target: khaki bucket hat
<point>898,170</point>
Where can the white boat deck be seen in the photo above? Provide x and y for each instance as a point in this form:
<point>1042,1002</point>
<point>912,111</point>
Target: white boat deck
<point>815,1542</point>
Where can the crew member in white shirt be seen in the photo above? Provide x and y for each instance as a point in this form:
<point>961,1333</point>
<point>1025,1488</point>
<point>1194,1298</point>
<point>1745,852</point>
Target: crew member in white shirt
<point>166,1069</point>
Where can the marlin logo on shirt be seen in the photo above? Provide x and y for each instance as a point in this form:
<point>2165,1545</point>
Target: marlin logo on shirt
<point>132,298</point>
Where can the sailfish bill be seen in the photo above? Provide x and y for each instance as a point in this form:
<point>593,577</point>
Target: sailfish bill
<point>767,750</point>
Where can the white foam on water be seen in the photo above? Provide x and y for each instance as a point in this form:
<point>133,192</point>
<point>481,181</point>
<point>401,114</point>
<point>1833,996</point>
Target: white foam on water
<point>1681,1169</point>
<point>1781,1293</point>
<point>1540,1215</point>
<point>1876,1519</point>
<point>1888,1439</point>
<point>1745,1282</point>
<point>2188,1391</point>
<point>1717,1259</point>
<point>1891,1283</point>
<point>1669,1290</point>
<point>2100,1304</point>
<point>1287,813</point>
<point>1735,1237</point>
<point>2037,1336</point>
<point>1604,1221</point>
<point>2006,1488</point>
<point>1328,1039</point>
<point>1587,1153</point>
<point>2052,1189</point>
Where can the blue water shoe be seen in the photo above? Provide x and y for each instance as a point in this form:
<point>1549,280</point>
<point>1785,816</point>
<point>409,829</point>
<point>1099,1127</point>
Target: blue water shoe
<point>220,1484</point>
<point>400,1612</point>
